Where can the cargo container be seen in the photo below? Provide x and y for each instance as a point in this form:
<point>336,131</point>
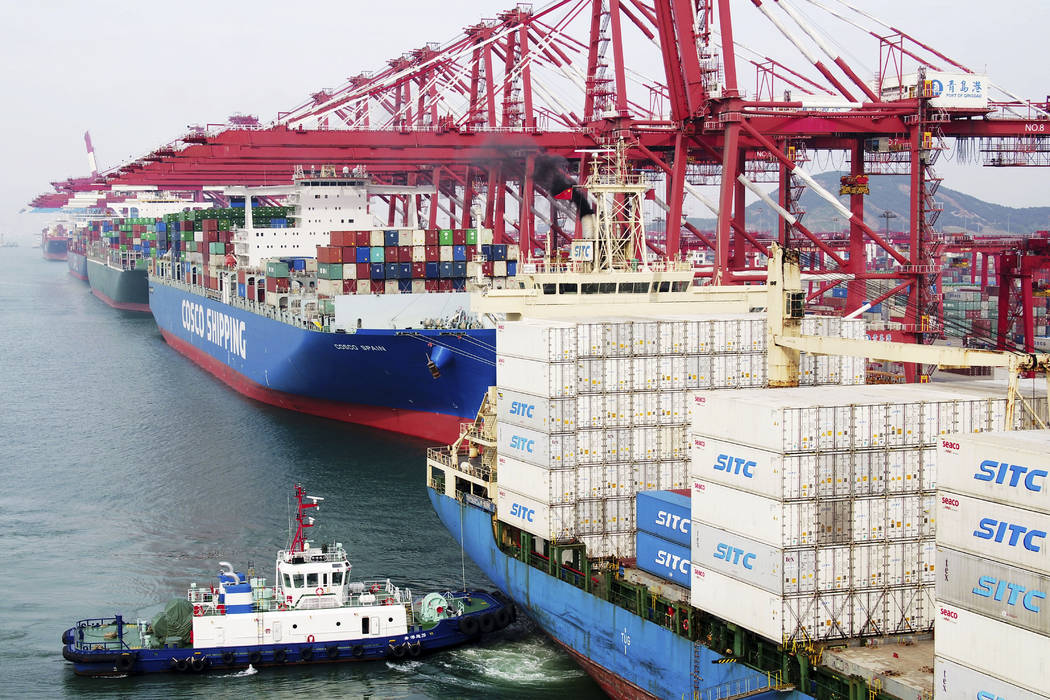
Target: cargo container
<point>814,617</point>
<point>544,340</point>
<point>992,647</point>
<point>552,380</point>
<point>814,523</point>
<point>811,475</point>
<point>825,569</point>
<point>542,414</point>
<point>665,514</point>
<point>1012,468</point>
<point>662,558</point>
<point>842,417</point>
<point>998,532</point>
<point>952,681</point>
<point>541,449</point>
<point>994,589</point>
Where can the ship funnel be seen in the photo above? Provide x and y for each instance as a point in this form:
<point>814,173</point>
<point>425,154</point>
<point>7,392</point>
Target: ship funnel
<point>587,226</point>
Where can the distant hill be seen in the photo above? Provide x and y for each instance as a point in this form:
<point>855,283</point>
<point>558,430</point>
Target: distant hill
<point>890,193</point>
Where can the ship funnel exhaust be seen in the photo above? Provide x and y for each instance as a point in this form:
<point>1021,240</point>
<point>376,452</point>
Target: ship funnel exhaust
<point>549,174</point>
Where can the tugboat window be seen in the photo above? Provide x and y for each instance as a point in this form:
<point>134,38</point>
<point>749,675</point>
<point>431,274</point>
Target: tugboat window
<point>298,578</point>
<point>287,581</point>
<point>337,578</point>
<point>311,580</point>
<point>364,625</point>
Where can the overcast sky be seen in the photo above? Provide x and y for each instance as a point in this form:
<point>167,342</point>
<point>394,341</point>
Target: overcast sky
<point>137,73</point>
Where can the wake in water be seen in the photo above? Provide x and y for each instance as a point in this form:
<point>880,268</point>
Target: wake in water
<point>250,671</point>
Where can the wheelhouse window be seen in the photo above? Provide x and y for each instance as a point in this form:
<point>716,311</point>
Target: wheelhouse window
<point>297,580</point>
<point>665,286</point>
<point>567,288</point>
<point>287,581</point>
<point>337,578</point>
<point>311,580</point>
<point>550,288</point>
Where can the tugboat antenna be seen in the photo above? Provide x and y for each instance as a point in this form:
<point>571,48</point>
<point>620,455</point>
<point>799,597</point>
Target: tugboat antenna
<point>299,540</point>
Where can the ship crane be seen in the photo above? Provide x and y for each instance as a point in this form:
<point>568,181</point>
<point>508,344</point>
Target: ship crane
<point>786,343</point>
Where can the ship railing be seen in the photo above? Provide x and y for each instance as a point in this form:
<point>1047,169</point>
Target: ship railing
<point>334,554</point>
<point>741,687</point>
<point>103,644</point>
<point>441,456</point>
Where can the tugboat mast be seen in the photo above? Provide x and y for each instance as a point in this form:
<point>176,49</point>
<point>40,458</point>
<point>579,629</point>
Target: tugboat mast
<point>301,523</point>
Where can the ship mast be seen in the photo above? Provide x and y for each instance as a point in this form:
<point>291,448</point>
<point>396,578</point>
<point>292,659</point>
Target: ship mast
<point>301,522</point>
<point>619,230</point>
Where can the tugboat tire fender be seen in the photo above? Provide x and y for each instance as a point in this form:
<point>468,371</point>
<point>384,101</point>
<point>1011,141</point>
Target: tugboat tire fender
<point>397,652</point>
<point>125,662</point>
<point>228,657</point>
<point>332,652</point>
<point>488,623</point>
<point>180,664</point>
<point>415,649</point>
<point>358,651</point>
<point>280,655</point>
<point>468,626</point>
<point>198,663</point>
<point>503,617</point>
<point>306,653</point>
<point>255,657</point>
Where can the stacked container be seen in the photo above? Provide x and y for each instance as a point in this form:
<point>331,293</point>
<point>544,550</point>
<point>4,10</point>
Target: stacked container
<point>993,622</point>
<point>814,509</point>
<point>664,535</point>
<point>599,406</point>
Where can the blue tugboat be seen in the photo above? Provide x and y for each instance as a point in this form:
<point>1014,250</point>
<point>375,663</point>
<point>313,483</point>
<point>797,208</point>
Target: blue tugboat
<point>312,614</point>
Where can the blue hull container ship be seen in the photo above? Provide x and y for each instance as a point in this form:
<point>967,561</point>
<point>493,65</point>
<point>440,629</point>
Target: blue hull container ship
<point>320,312</point>
<point>313,614</point>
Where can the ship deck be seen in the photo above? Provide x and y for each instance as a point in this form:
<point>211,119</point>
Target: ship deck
<point>902,670</point>
<point>104,636</point>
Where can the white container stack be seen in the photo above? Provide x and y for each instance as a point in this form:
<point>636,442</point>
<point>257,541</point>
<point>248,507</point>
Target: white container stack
<point>814,510</point>
<point>993,546</point>
<point>590,412</point>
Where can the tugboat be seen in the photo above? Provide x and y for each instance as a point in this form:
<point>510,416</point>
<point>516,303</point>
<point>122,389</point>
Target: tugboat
<point>313,614</point>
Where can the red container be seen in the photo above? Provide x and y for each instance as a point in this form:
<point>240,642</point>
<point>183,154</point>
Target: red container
<point>343,238</point>
<point>329,254</point>
<point>335,238</point>
<point>431,238</point>
<point>378,286</point>
<point>363,239</point>
<point>432,253</point>
<point>459,236</point>
<point>349,286</point>
<point>431,285</point>
<point>419,270</point>
<point>363,271</point>
<point>404,253</point>
<point>229,249</point>
<point>444,285</point>
<point>390,254</point>
<point>350,253</point>
<point>486,268</point>
<point>471,250</point>
<point>210,225</point>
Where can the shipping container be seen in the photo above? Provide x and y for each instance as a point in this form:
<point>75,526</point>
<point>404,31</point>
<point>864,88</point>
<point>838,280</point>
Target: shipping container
<point>814,523</point>
<point>552,523</point>
<point>952,681</point>
<point>539,413</point>
<point>546,340</point>
<point>994,589</point>
<point>665,514</point>
<point>542,449</point>
<point>815,616</point>
<point>1012,468</point>
<point>662,558</point>
<point>993,647</point>
<point>526,479</point>
<point>1001,533</point>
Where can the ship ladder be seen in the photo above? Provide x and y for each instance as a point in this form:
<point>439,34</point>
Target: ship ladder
<point>745,687</point>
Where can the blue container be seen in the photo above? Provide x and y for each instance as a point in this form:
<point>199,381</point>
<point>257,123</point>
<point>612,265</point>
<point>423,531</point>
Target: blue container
<point>377,254</point>
<point>404,271</point>
<point>459,284</point>
<point>433,270</point>
<point>392,271</point>
<point>665,559</point>
<point>242,290</point>
<point>512,268</point>
<point>499,252</point>
<point>877,309</point>
<point>486,250</point>
<point>459,252</point>
<point>299,264</point>
<point>390,238</point>
<point>665,514</point>
<point>445,270</point>
<point>839,292</point>
<point>162,227</point>
<point>459,269</point>
<point>377,271</point>
<point>404,285</point>
<point>364,254</point>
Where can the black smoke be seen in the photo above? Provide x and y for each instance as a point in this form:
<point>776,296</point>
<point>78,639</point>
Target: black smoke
<point>549,173</point>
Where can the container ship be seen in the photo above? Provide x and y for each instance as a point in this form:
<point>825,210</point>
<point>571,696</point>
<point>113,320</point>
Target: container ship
<point>804,560</point>
<point>54,242</point>
<point>319,311</point>
<point>76,254</point>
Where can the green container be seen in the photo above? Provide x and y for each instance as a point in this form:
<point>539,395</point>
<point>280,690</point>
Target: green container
<point>191,246</point>
<point>330,271</point>
<point>472,236</point>
<point>377,255</point>
<point>219,248</point>
<point>279,269</point>
<point>327,306</point>
<point>445,236</point>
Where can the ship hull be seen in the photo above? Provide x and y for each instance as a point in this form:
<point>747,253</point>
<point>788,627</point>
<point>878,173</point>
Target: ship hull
<point>54,248</point>
<point>77,263</point>
<point>122,289</point>
<point>377,378</point>
<point>628,656</point>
